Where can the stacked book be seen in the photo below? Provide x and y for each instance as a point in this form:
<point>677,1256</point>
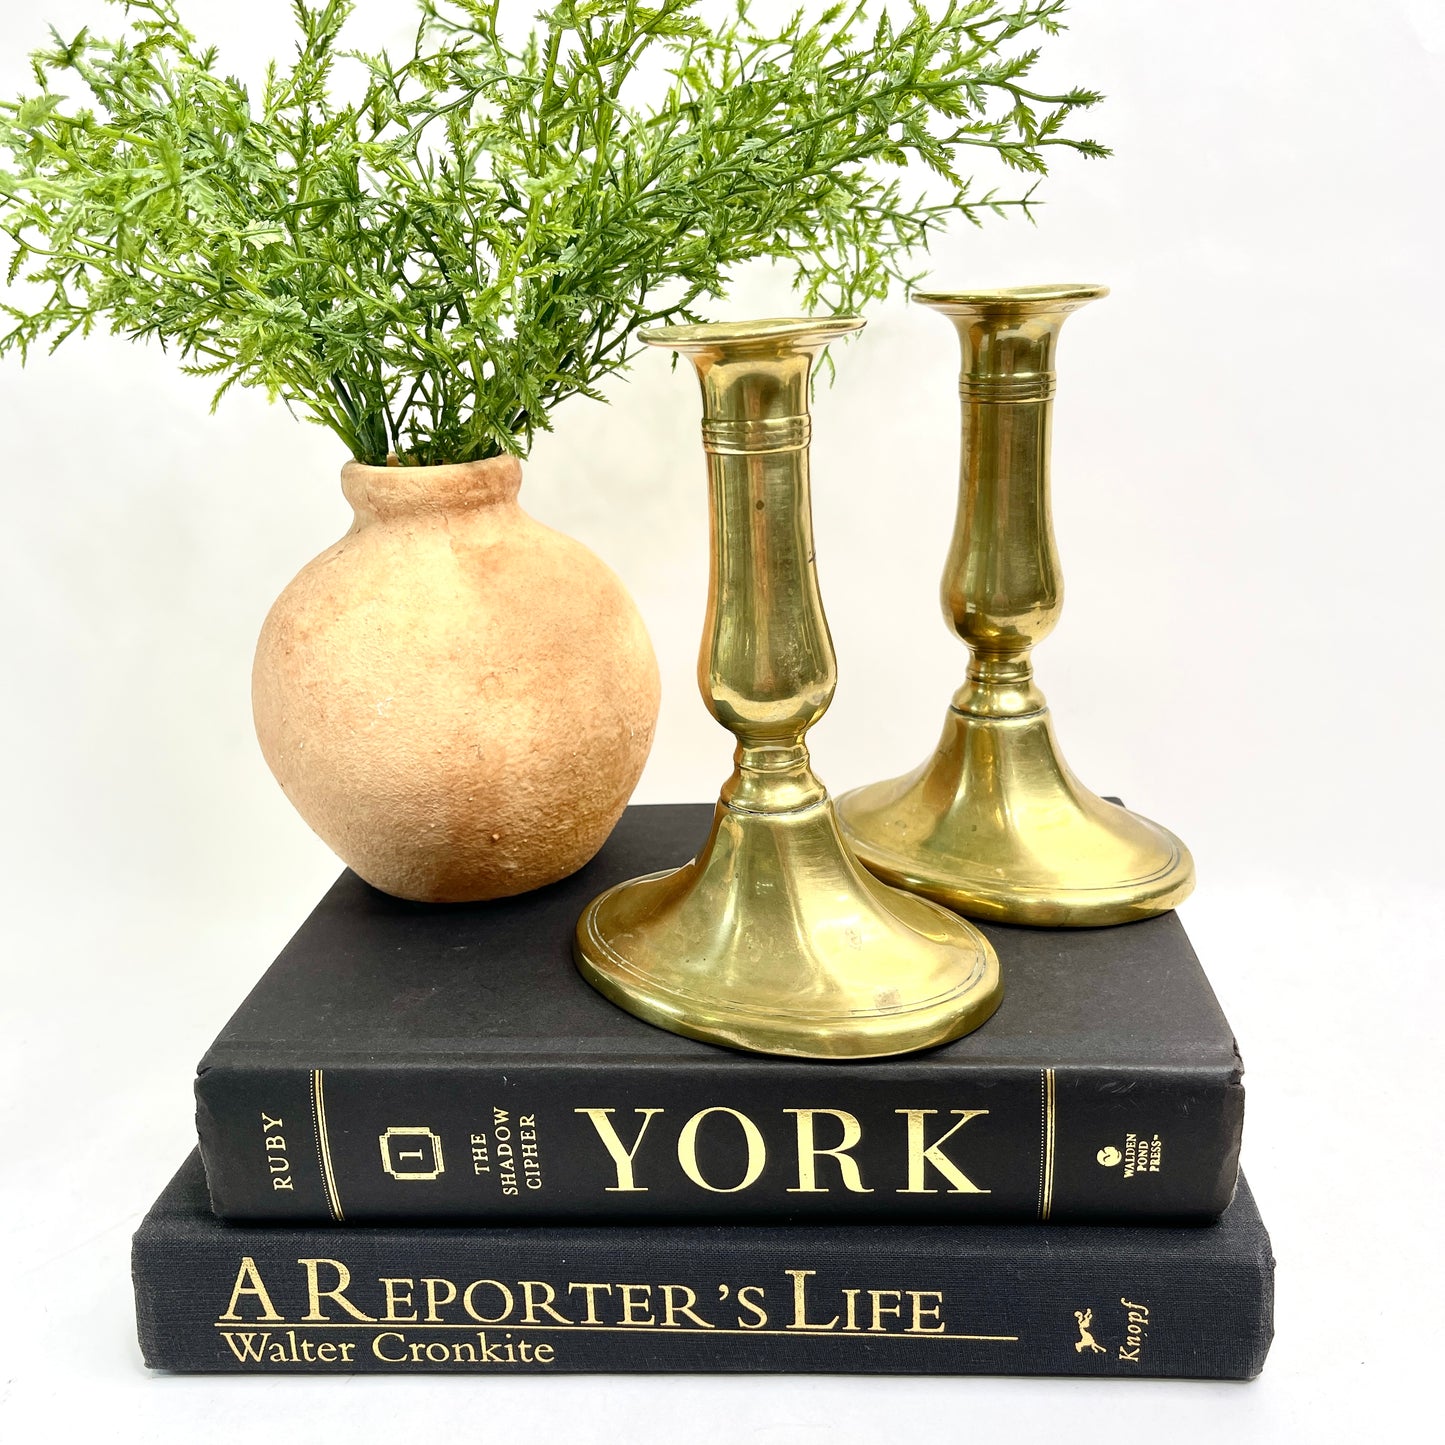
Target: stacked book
<point>427,1145</point>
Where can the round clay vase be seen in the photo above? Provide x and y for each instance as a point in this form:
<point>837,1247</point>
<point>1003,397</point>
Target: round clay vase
<point>458,699</point>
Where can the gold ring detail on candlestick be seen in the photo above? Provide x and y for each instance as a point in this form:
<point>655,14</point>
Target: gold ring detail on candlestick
<point>764,434</point>
<point>1001,390</point>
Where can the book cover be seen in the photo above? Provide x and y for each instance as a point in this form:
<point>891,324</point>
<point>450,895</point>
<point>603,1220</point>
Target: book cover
<point>406,1061</point>
<point>1020,1299</point>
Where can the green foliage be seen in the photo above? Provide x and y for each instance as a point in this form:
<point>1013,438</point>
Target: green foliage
<point>430,266</point>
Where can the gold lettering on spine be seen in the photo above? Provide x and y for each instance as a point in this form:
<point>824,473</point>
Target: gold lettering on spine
<point>469,1304</point>
<point>809,1153</point>
<point>921,1153</point>
<point>590,1290</point>
<point>877,1296</point>
<point>323,1145</point>
<point>753,1306</point>
<point>672,1308</point>
<point>921,1310</point>
<point>531,1304</point>
<point>388,1336</point>
<point>800,1279</point>
<point>621,1157</point>
<point>1136,1331</point>
<point>525,1306</point>
<point>246,1347</point>
<point>249,1281</point>
<point>435,1301</point>
<point>315,1294</point>
<point>687,1151</point>
<point>395,1297</point>
<point>636,1297</point>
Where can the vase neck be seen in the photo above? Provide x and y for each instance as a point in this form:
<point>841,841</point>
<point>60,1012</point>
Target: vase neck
<point>396,491</point>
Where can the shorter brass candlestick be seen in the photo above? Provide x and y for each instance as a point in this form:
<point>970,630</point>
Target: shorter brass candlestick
<point>995,824</point>
<point>774,938</point>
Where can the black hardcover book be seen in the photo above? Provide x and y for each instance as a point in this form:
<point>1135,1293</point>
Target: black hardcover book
<point>405,1061</point>
<point>933,1299</point>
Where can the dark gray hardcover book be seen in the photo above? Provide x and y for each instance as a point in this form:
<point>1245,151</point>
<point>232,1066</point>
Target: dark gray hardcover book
<point>404,1061</point>
<point>993,1299</point>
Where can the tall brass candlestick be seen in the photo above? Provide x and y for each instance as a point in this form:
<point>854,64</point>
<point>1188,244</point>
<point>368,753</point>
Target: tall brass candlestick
<point>995,824</point>
<point>774,938</point>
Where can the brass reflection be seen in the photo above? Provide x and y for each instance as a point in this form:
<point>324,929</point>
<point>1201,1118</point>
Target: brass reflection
<point>773,938</point>
<point>994,823</point>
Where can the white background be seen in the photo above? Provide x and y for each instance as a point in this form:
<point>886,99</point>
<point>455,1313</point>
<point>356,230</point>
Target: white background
<point>1248,485</point>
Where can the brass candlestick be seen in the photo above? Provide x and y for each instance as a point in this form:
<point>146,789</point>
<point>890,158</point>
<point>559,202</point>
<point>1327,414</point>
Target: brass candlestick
<point>995,824</point>
<point>773,938</point>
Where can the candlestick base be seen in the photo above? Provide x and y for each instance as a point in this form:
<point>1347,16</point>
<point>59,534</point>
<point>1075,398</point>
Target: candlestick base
<point>997,826</point>
<point>775,940</point>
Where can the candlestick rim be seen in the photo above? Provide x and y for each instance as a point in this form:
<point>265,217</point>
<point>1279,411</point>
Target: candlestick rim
<point>746,335</point>
<point>1012,299</point>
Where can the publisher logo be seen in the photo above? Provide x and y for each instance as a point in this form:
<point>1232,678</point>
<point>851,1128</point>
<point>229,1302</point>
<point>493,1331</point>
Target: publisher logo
<point>1141,1154</point>
<point>1135,1328</point>
<point>1086,1340</point>
<point>411,1153</point>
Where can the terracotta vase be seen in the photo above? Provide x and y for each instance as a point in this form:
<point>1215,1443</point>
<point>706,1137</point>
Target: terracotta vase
<point>457,699</point>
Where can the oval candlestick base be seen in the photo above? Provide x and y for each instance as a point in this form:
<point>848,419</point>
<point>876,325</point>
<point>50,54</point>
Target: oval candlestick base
<point>996,825</point>
<point>775,940</point>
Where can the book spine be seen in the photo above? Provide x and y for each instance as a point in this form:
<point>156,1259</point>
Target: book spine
<point>998,1300</point>
<point>598,1140</point>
